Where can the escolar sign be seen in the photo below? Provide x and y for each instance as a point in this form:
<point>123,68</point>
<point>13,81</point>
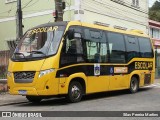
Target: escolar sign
<point>42,29</point>
<point>143,65</point>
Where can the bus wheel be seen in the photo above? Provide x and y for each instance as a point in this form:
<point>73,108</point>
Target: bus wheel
<point>33,99</point>
<point>74,92</point>
<point>134,85</point>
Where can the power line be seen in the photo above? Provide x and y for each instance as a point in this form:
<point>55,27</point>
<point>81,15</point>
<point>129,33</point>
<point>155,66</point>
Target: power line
<point>129,4</point>
<point>27,4</point>
<point>32,4</point>
<point>113,10</point>
<point>108,5</point>
<point>68,3</point>
<point>112,17</point>
<point>126,4</point>
<point>104,13</point>
<point>10,10</point>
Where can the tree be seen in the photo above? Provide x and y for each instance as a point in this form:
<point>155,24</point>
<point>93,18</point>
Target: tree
<point>154,11</point>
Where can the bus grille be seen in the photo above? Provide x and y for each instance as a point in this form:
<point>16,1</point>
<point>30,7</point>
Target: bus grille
<point>24,77</point>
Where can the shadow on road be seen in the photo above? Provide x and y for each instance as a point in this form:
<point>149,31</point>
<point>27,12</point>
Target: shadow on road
<point>112,94</point>
<point>46,102</point>
<point>63,101</point>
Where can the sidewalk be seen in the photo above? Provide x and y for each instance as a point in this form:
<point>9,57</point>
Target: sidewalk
<point>157,80</point>
<point>6,98</point>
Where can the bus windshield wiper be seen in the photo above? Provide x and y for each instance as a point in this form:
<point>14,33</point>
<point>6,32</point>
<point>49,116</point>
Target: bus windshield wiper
<point>38,52</point>
<point>19,54</point>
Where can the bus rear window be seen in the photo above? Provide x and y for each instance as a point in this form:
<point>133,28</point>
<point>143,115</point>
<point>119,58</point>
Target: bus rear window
<point>145,48</point>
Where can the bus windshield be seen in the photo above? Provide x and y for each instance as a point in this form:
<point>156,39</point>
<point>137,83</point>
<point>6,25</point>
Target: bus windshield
<point>39,43</point>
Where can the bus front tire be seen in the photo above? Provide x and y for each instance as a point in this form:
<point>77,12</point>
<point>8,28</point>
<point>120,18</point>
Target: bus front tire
<point>134,85</point>
<point>74,92</point>
<point>33,99</point>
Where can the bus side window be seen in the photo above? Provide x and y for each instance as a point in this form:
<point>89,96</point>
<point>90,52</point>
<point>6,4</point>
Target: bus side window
<point>72,51</point>
<point>145,48</point>
<point>132,47</point>
<point>116,47</point>
<point>96,45</point>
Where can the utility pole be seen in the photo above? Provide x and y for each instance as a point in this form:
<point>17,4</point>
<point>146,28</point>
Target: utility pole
<point>19,30</point>
<point>59,6</point>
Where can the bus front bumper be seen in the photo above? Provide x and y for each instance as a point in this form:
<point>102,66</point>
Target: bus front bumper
<point>28,91</point>
<point>23,91</point>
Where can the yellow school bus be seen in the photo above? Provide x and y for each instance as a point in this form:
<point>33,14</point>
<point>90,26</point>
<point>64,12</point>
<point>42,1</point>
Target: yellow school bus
<point>73,59</point>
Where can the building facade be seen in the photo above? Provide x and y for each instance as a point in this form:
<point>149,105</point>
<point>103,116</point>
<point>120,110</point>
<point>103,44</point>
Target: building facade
<point>130,14</point>
<point>155,35</point>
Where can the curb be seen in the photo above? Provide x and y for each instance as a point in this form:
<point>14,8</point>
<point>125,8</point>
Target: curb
<point>3,80</point>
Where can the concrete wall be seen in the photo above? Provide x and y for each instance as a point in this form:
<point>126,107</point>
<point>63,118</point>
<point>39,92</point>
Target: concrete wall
<point>3,86</point>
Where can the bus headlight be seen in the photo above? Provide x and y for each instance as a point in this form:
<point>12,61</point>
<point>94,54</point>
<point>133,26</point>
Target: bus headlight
<point>44,72</point>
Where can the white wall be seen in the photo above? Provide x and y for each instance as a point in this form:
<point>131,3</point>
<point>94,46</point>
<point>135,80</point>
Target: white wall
<point>114,13</point>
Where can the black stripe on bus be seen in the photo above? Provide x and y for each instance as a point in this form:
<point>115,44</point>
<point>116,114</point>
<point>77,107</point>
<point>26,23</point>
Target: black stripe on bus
<point>88,70</point>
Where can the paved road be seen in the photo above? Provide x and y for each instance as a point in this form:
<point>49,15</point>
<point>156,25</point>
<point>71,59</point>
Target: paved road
<point>147,99</point>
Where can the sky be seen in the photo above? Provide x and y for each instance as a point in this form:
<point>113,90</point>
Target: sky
<point>151,2</point>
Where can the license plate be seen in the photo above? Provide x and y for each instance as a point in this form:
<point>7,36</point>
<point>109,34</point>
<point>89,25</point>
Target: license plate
<point>22,92</point>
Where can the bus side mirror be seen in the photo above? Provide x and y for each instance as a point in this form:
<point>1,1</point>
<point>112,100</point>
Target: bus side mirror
<point>71,34</point>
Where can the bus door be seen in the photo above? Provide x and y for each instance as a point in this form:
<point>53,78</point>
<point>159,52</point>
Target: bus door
<point>117,70</point>
<point>72,56</point>
<point>96,57</point>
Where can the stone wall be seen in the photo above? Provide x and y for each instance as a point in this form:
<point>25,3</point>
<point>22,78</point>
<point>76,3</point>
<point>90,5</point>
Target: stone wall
<point>3,86</point>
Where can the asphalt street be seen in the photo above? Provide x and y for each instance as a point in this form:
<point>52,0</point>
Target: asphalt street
<point>147,99</point>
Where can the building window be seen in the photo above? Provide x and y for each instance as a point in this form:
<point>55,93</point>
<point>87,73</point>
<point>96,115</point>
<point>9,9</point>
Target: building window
<point>135,3</point>
<point>155,33</point>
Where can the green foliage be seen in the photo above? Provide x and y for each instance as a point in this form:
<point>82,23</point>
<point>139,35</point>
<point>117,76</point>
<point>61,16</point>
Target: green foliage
<point>156,6</point>
<point>154,12</point>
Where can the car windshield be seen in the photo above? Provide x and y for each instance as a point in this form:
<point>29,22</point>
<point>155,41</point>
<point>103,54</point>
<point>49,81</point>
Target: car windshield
<point>39,43</point>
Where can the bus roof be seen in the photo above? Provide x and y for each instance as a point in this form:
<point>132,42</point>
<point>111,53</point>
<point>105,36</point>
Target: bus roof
<point>70,23</point>
<point>129,32</point>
